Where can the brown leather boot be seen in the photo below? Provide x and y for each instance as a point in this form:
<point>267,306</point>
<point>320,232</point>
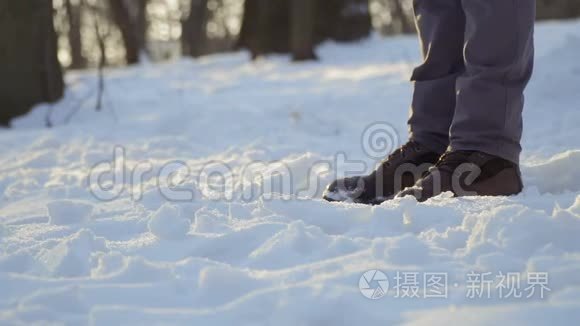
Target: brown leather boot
<point>400,170</point>
<point>468,173</point>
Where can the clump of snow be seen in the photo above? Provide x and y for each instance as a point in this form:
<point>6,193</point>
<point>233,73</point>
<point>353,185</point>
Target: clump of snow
<point>68,299</point>
<point>64,212</point>
<point>404,250</point>
<point>72,256</point>
<point>140,270</point>
<point>211,221</point>
<point>559,173</point>
<point>168,223</point>
<point>221,284</point>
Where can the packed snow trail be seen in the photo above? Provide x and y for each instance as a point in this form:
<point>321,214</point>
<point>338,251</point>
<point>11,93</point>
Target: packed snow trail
<point>269,259</point>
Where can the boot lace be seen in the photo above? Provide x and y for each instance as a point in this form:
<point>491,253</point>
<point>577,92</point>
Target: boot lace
<point>449,161</point>
<point>402,152</point>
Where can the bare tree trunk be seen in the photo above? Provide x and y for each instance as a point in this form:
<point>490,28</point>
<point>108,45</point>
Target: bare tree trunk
<point>30,72</point>
<point>266,25</point>
<point>194,30</point>
<point>251,35</point>
<point>302,20</point>
<point>142,23</point>
<point>122,18</point>
<point>557,9</point>
<point>101,66</point>
<point>343,20</point>
<point>399,12</point>
<point>74,17</point>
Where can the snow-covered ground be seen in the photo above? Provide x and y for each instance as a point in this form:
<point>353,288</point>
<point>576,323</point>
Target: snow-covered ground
<point>189,251</point>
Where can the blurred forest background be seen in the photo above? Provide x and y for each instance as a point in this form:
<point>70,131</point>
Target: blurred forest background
<point>39,39</point>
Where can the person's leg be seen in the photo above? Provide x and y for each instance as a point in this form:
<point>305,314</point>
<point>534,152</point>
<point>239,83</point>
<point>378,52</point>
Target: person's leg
<point>441,27</point>
<point>498,58</point>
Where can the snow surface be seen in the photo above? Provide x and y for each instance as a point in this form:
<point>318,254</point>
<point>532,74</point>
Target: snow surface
<point>289,259</point>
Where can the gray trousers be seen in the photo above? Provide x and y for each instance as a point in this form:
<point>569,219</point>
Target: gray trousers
<point>478,58</point>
